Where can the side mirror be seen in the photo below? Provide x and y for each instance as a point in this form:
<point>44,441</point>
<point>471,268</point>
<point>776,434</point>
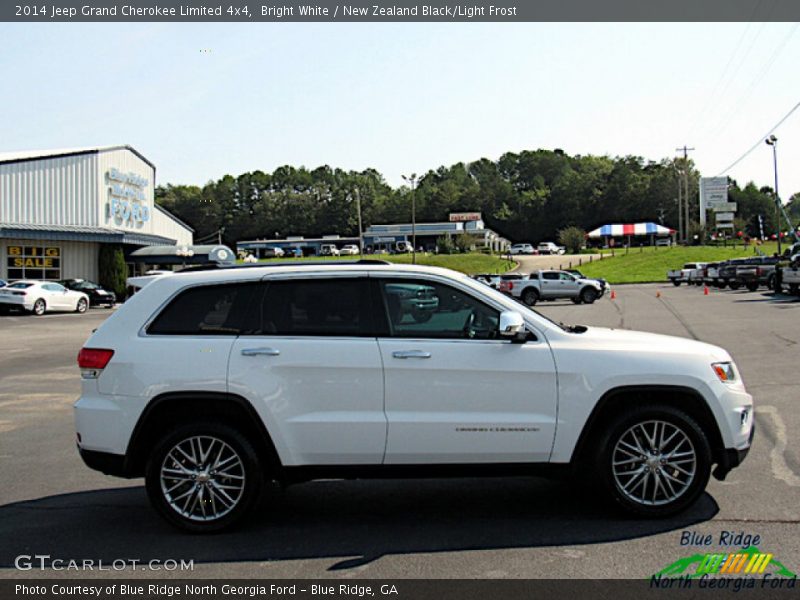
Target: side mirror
<point>511,324</point>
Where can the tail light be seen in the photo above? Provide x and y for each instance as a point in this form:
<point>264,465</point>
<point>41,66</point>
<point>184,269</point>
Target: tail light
<point>93,360</point>
<point>758,271</point>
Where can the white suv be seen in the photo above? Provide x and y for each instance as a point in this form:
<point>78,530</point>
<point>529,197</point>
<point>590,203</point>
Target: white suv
<point>209,383</point>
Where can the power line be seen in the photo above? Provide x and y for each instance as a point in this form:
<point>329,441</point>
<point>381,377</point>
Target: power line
<point>760,140</point>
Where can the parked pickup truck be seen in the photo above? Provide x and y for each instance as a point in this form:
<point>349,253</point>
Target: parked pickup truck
<point>551,285</point>
<point>690,273</point>
<point>757,271</point>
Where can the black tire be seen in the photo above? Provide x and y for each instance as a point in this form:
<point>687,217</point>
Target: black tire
<point>247,469</point>
<point>794,289</point>
<point>735,285</point>
<point>39,307</point>
<point>81,306</point>
<point>576,300</point>
<point>722,284</point>
<point>751,286</point>
<point>530,296</point>
<point>588,295</point>
<point>771,283</point>
<point>675,282</point>
<point>684,494</point>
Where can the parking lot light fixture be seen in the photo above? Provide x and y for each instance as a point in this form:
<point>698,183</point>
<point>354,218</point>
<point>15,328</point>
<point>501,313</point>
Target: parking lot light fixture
<point>412,181</point>
<point>773,141</point>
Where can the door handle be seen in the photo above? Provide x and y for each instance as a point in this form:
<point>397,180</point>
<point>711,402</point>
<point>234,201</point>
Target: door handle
<point>411,354</point>
<point>260,352</point>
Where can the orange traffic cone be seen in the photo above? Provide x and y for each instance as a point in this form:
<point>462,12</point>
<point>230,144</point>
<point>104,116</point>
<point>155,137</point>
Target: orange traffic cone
<point>705,291</point>
<point>658,293</point>
<point>613,294</point>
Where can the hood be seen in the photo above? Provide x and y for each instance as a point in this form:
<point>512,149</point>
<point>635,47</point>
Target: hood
<point>640,341</point>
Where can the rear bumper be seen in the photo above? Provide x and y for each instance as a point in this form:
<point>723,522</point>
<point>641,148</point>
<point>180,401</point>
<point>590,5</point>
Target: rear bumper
<point>105,462</point>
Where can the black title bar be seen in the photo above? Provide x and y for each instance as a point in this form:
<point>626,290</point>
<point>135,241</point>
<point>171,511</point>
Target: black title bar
<point>399,10</point>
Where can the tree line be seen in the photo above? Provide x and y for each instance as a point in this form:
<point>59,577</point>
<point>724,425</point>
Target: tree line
<point>525,196</point>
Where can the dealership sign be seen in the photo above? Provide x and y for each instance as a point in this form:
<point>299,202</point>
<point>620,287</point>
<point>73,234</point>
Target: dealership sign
<point>713,194</point>
<point>464,216</point>
<point>127,198</point>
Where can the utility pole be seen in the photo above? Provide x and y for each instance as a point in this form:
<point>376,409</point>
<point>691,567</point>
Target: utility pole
<point>685,151</point>
<point>360,230</point>
<point>773,141</point>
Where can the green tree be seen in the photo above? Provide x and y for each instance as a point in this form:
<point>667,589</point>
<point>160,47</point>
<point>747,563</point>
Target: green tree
<point>113,272</point>
<point>572,238</point>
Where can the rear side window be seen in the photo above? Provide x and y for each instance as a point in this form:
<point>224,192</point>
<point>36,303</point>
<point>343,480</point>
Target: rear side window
<point>207,310</point>
<point>318,307</point>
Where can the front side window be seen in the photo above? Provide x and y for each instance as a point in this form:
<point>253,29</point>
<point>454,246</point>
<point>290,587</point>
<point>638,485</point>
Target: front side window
<point>550,276</point>
<point>317,307</point>
<point>207,310</point>
<point>427,309</point>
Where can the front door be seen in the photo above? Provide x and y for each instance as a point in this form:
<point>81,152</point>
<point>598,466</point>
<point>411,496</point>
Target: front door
<point>455,391</point>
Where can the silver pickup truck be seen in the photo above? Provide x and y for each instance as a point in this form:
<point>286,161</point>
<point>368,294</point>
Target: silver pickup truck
<point>551,285</point>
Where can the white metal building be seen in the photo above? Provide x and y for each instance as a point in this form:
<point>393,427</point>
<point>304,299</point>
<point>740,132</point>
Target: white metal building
<point>57,207</point>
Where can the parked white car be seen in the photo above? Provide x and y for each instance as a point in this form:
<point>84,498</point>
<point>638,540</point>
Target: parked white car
<point>328,250</point>
<point>550,248</point>
<point>39,297</point>
<point>349,250</point>
<point>209,383</point>
<point>522,249</point>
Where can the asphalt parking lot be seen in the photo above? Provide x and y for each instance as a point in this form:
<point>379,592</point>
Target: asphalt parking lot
<point>464,528</point>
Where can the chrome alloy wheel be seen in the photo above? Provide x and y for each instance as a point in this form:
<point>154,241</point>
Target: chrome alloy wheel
<point>202,478</point>
<point>654,463</point>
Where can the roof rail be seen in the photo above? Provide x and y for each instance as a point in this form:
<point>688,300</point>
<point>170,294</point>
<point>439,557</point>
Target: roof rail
<point>315,263</point>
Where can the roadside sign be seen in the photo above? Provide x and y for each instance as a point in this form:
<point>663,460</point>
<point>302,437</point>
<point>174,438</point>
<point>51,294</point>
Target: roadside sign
<point>724,225</point>
<point>713,192</point>
<point>465,216</point>
<point>724,217</point>
<point>726,207</point>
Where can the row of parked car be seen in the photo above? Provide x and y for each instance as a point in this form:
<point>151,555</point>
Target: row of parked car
<point>773,272</point>
<point>68,295</point>
<point>547,285</point>
<point>543,248</point>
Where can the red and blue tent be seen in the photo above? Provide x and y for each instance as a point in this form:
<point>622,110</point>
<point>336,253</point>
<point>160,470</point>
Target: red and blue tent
<point>630,229</point>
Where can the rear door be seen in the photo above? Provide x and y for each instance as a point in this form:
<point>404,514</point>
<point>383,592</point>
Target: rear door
<point>311,367</point>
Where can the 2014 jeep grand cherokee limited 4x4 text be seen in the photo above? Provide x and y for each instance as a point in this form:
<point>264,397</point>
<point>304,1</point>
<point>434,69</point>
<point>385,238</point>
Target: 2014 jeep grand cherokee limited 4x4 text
<point>211,383</point>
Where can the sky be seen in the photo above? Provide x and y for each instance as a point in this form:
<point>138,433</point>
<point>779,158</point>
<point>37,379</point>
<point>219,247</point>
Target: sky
<point>205,100</point>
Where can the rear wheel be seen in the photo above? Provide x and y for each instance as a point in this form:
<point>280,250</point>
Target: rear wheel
<point>735,285</point>
<point>721,284</point>
<point>203,477</point>
<point>675,282</point>
<point>588,295</point>
<point>654,460</point>
<point>530,297</point>
<point>39,307</point>
<point>752,286</point>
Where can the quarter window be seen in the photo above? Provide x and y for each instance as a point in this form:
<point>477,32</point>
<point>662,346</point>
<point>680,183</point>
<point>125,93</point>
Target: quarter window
<point>207,310</point>
<point>427,309</point>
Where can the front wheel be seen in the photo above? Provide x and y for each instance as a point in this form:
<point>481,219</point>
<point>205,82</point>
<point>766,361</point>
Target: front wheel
<point>675,282</point>
<point>588,296</point>
<point>530,297</point>
<point>654,461</point>
<point>735,285</point>
<point>81,306</point>
<point>576,300</point>
<point>203,477</point>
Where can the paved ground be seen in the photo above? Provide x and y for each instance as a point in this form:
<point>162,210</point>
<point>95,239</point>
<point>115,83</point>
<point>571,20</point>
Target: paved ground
<point>51,504</point>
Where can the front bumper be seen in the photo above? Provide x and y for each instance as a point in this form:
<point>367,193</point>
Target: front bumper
<point>730,458</point>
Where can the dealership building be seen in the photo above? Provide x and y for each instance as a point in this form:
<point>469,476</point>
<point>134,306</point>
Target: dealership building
<point>59,207</point>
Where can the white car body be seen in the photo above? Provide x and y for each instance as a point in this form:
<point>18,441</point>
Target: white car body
<point>29,294</point>
<point>328,250</point>
<point>140,281</point>
<point>365,402</point>
<point>522,249</point>
<point>550,248</point>
<point>349,250</point>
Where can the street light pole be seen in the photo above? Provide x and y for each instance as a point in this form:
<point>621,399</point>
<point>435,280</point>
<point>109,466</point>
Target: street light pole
<point>360,230</point>
<point>773,141</point>
<point>412,179</point>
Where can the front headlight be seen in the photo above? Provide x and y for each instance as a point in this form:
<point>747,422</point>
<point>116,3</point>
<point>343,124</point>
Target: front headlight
<point>725,371</point>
